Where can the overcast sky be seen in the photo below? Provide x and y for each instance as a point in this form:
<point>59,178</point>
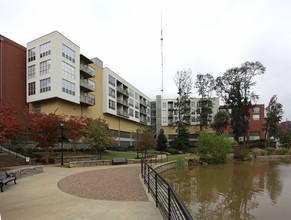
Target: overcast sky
<point>208,36</point>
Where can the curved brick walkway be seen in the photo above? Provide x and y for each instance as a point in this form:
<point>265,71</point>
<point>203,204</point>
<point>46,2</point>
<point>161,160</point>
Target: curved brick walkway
<point>118,184</point>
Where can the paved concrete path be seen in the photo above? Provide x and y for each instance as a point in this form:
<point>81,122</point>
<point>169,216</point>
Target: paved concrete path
<point>71,193</point>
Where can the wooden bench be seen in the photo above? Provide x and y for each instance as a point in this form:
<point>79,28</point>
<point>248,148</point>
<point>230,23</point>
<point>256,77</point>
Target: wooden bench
<point>6,178</point>
<point>116,161</point>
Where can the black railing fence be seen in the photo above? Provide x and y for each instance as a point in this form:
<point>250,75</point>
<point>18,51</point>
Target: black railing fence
<point>166,199</point>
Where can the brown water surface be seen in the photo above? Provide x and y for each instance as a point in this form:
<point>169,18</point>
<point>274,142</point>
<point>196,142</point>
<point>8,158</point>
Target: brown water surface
<point>240,190</point>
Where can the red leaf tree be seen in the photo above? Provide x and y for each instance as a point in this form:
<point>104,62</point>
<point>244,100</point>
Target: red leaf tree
<point>74,127</point>
<point>45,129</point>
<point>9,123</point>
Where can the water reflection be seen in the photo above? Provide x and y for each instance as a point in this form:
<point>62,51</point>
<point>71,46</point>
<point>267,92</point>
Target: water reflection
<point>242,190</point>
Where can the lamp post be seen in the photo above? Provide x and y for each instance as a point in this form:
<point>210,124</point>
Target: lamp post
<point>62,126</point>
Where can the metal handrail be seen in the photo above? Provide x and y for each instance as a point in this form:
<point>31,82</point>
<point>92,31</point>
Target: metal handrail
<point>167,200</point>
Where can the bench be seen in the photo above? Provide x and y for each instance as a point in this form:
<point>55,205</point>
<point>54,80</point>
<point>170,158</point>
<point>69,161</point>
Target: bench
<point>6,178</point>
<point>116,161</point>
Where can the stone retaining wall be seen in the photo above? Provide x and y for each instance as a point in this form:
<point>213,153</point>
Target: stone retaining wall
<point>26,171</point>
<point>98,163</point>
<point>76,158</point>
<point>165,166</point>
<point>272,157</point>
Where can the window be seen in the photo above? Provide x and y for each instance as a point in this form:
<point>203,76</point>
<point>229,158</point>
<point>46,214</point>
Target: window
<point>210,105</point>
<point>31,54</point>
<point>37,109</point>
<point>130,102</point>
<point>68,53</point>
<point>131,112</point>
<point>136,96</point>
<point>31,88</point>
<point>256,110</point>
<point>222,110</point>
<point>136,114</point>
<point>175,104</point>
<point>192,104</point>
<point>91,85</point>
<point>229,110</point>
<point>68,70</point>
<point>111,80</point>
<point>256,117</point>
<point>164,112</point>
<point>198,111</point>
<point>45,67</point>
<point>45,85</point>
<point>254,133</point>
<point>111,104</point>
<point>193,111</point>
<point>45,49</point>
<point>164,120</point>
<point>111,92</point>
<point>68,87</point>
<point>164,105</point>
<point>91,71</point>
<point>31,72</point>
<point>91,99</point>
<point>136,105</point>
<point>193,119</point>
<point>131,93</point>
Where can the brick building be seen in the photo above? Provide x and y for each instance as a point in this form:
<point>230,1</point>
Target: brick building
<point>12,73</point>
<point>256,122</point>
<point>285,127</point>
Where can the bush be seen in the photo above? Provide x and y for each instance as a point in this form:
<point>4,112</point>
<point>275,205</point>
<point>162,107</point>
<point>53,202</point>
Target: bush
<point>181,162</point>
<point>213,148</point>
<point>259,152</point>
<point>270,150</point>
<point>51,160</point>
<point>281,151</point>
<point>173,151</point>
<point>241,153</point>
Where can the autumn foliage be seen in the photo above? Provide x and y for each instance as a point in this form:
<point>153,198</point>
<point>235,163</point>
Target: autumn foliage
<point>9,124</point>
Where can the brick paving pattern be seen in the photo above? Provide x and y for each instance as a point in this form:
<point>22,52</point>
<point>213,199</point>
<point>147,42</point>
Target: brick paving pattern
<point>117,184</point>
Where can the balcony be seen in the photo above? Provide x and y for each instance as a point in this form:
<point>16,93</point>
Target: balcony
<point>143,121</point>
<point>142,111</point>
<point>84,70</point>
<point>122,102</point>
<point>87,101</point>
<point>122,91</point>
<point>86,86</point>
<point>122,113</point>
<point>143,102</point>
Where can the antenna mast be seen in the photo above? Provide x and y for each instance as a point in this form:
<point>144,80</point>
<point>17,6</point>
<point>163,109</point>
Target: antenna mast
<point>162,54</point>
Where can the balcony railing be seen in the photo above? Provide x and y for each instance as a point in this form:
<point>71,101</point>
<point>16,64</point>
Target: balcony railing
<point>87,86</point>
<point>86,72</point>
<point>87,100</point>
<point>122,113</point>
<point>122,102</point>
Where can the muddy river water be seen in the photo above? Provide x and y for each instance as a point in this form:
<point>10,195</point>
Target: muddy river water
<point>241,190</point>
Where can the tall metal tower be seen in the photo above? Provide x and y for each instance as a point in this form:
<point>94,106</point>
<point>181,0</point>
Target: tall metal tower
<point>162,65</point>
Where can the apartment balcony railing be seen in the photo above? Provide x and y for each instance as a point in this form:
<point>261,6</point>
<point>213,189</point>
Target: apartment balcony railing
<point>122,113</point>
<point>143,112</point>
<point>87,100</point>
<point>84,70</point>
<point>142,102</point>
<point>122,91</point>
<point>122,102</point>
<point>86,86</point>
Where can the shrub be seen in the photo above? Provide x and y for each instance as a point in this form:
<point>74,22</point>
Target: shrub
<point>241,153</point>
<point>281,151</point>
<point>213,148</point>
<point>173,151</point>
<point>181,162</point>
<point>270,150</point>
<point>51,160</point>
<point>259,152</point>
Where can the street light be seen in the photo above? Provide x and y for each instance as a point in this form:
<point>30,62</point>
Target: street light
<point>62,138</point>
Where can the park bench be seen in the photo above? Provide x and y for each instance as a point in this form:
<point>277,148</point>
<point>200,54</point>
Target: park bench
<point>6,178</point>
<point>116,161</point>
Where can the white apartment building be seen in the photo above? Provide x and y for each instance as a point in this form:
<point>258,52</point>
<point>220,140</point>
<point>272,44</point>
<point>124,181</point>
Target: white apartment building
<point>53,64</point>
<point>122,99</point>
<point>169,111</point>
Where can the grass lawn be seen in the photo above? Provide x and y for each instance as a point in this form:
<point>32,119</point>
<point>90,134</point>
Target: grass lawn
<point>118,154</point>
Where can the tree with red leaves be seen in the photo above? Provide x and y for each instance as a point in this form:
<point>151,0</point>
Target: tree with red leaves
<point>74,127</point>
<point>9,124</point>
<point>45,129</point>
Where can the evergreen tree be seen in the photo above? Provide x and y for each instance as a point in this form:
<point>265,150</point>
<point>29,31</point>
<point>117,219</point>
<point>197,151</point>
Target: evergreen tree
<point>162,141</point>
<point>220,122</point>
